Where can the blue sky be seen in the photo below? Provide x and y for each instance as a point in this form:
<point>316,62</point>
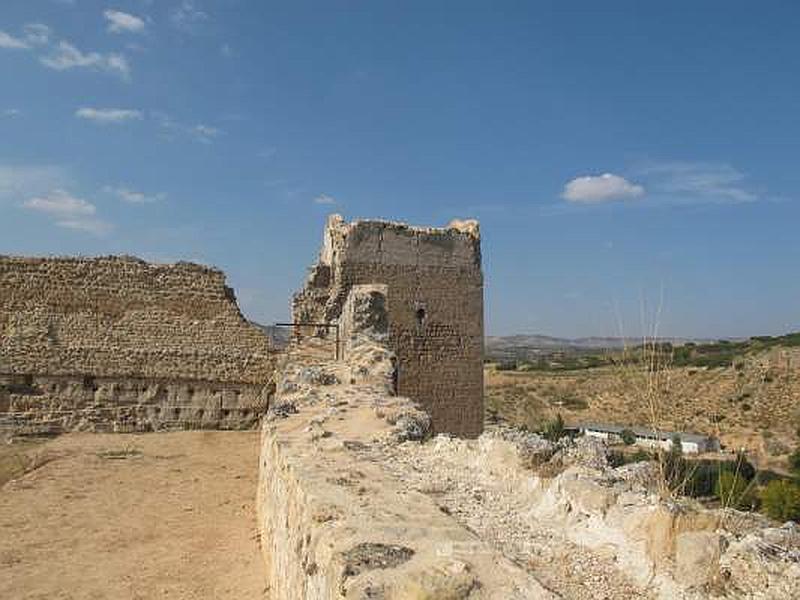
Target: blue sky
<point>619,155</point>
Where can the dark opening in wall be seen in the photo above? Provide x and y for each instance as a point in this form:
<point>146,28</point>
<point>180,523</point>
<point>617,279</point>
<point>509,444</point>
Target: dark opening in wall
<point>420,317</point>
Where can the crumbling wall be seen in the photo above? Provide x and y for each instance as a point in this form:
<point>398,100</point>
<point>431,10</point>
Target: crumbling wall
<point>117,343</point>
<point>356,501</point>
<point>333,523</point>
<point>435,307</point>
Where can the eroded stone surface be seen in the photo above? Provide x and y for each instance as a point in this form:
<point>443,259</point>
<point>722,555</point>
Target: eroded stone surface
<point>117,344</point>
<point>336,523</point>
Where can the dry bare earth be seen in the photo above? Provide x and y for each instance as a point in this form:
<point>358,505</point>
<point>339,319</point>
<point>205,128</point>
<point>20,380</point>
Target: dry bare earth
<point>134,516</point>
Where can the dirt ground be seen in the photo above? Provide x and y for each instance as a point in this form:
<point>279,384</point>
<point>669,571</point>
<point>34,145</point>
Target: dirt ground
<point>167,515</point>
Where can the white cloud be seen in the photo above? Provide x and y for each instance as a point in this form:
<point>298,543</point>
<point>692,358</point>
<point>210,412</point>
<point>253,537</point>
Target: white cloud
<point>69,212</point>
<point>699,182</point>
<point>133,197</point>
<point>12,112</point>
<point>324,199</point>
<point>226,51</point>
<point>204,133</point>
<point>67,56</point>
<point>121,22</point>
<point>601,188</point>
<point>34,34</point>
<point>187,16</point>
<point>172,129</point>
<point>37,34</point>
<point>9,42</point>
<point>106,116</point>
<point>19,181</point>
<point>59,203</point>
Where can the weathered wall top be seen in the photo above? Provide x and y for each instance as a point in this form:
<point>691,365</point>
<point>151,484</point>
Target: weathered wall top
<point>391,242</point>
<point>121,316</point>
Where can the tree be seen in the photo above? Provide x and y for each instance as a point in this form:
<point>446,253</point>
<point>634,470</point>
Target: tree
<point>554,430</point>
<point>628,437</point>
<point>780,500</point>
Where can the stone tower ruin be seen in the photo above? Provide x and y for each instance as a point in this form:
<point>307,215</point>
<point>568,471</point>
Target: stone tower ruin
<point>434,289</point>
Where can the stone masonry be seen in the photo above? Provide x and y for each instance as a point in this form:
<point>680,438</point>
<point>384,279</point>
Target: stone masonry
<point>435,307</point>
<point>115,343</point>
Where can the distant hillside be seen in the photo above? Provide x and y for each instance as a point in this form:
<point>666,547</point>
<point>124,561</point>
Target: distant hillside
<point>532,346</point>
<point>746,392</point>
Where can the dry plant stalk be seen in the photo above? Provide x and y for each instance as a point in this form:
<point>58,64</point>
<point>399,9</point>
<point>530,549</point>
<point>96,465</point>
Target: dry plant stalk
<point>645,374</point>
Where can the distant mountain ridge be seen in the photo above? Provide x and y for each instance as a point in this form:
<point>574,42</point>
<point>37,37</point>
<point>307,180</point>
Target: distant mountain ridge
<point>529,345</point>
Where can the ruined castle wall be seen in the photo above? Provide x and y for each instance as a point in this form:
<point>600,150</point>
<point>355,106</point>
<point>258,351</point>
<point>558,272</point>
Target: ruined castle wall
<point>109,342</point>
<point>435,298</point>
<point>335,523</point>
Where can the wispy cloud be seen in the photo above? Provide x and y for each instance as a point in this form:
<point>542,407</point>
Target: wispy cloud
<point>69,212</point>
<point>122,22</point>
<point>37,34</point>
<point>132,196</point>
<point>22,181</point>
<point>592,189</point>
<point>693,182</point>
<point>172,129</point>
<point>106,116</point>
<point>187,16</point>
<point>11,113</point>
<point>204,133</point>
<point>61,204</point>
<point>324,199</point>
<point>9,42</point>
<point>66,56</point>
<point>34,34</point>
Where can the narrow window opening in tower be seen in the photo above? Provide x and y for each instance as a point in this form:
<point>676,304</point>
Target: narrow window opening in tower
<point>420,316</point>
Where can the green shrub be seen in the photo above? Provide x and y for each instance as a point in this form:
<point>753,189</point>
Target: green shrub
<point>734,491</point>
<point>741,466</point>
<point>628,437</point>
<point>506,366</point>
<point>554,430</point>
<point>780,500</point>
<point>794,462</point>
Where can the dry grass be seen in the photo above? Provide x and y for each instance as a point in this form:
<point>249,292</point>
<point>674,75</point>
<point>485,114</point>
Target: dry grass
<point>753,406</point>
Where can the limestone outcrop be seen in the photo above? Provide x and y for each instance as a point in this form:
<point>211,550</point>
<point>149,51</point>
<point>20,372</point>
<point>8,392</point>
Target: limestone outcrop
<point>590,530</point>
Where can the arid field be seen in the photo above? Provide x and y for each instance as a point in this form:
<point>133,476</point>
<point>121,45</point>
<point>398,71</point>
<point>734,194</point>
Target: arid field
<point>752,404</point>
<point>166,515</point>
